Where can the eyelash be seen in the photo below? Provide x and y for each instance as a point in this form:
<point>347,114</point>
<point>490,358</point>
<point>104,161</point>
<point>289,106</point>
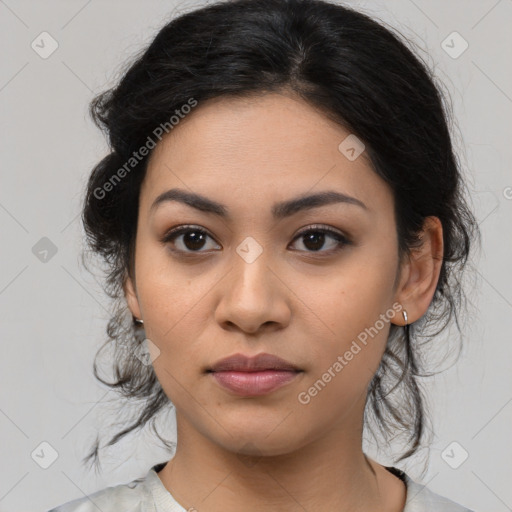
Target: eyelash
<point>341,240</point>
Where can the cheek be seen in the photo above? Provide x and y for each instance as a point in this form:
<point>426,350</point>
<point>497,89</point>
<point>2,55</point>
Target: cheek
<point>355,309</point>
<point>168,292</point>
<point>175,305</point>
<point>344,363</point>
<point>357,293</point>
<point>175,328</point>
<point>174,318</point>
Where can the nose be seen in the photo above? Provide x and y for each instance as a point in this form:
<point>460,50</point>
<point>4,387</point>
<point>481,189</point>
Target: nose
<point>253,297</point>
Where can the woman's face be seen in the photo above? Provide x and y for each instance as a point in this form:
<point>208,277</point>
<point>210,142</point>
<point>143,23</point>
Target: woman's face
<point>252,283</point>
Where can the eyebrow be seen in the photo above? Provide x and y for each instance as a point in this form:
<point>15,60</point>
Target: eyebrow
<point>279,210</point>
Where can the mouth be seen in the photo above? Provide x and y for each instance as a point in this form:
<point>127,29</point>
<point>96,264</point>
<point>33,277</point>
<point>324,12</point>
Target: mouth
<point>254,383</point>
<point>253,376</point>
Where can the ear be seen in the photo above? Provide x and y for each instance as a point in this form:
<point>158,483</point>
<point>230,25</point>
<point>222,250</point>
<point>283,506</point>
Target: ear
<point>420,272</point>
<point>130,294</point>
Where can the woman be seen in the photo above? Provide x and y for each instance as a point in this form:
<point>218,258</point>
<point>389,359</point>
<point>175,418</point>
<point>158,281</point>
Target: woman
<point>282,217</point>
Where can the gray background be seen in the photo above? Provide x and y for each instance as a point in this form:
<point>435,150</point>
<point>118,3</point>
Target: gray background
<point>53,313</point>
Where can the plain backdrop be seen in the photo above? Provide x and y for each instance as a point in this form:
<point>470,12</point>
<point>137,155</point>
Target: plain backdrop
<point>53,313</point>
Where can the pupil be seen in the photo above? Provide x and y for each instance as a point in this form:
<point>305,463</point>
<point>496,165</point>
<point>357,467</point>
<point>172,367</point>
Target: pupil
<point>318,237</point>
<point>194,240</point>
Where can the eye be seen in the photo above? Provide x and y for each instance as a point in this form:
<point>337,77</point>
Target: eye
<point>194,238</point>
<point>314,238</point>
<point>189,239</point>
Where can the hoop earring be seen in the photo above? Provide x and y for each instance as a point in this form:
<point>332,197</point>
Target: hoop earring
<point>138,321</point>
<point>404,313</point>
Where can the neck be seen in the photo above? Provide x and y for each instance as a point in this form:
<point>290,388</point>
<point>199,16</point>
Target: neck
<point>330,473</point>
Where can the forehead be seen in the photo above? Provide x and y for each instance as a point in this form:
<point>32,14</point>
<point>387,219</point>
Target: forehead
<point>245,151</point>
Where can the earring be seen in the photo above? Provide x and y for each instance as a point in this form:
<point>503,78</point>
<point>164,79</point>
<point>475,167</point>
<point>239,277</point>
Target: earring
<point>404,313</point>
<point>138,320</point>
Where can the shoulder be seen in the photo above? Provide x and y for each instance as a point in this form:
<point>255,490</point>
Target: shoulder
<point>421,499</point>
<point>129,497</point>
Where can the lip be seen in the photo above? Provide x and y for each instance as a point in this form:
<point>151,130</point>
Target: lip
<point>259,362</point>
<point>253,376</point>
<point>244,383</point>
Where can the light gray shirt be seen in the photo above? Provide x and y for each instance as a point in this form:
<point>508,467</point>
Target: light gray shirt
<point>148,494</point>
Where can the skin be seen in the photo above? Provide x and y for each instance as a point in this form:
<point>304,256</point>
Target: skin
<point>272,452</point>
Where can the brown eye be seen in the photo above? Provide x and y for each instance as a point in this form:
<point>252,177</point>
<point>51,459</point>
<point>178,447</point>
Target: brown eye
<point>314,239</point>
<point>193,239</point>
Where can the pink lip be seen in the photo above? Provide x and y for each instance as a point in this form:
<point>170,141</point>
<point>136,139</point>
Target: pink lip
<point>256,383</point>
<point>259,362</point>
